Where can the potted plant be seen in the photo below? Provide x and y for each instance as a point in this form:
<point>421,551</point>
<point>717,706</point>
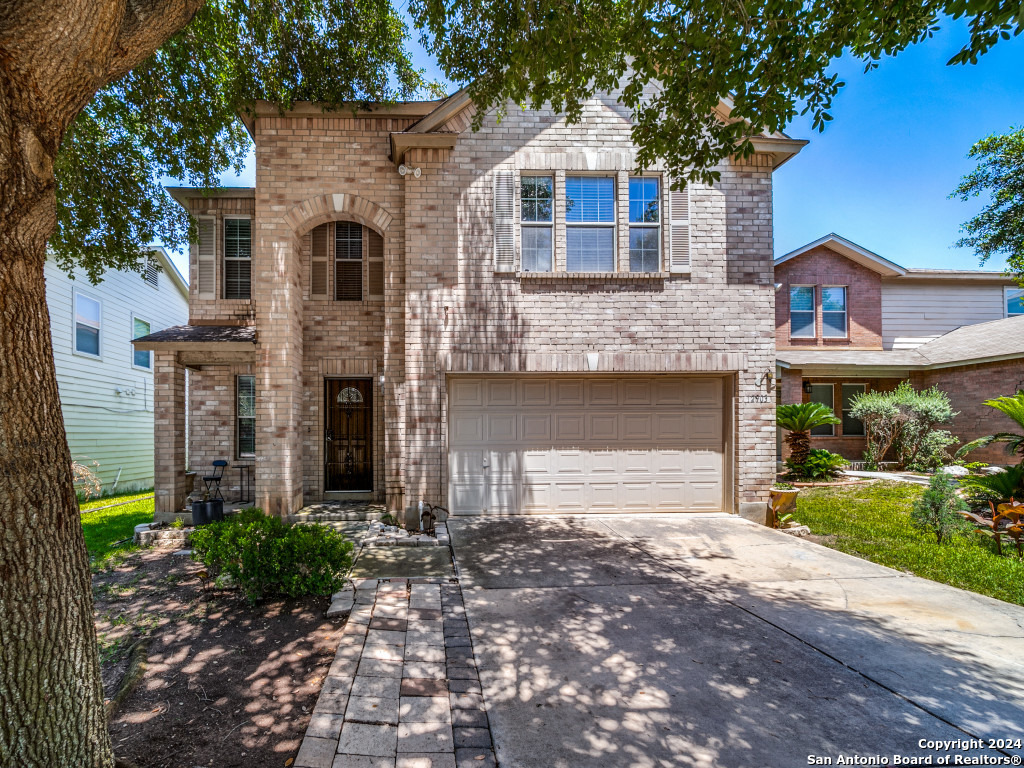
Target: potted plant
<point>783,505</point>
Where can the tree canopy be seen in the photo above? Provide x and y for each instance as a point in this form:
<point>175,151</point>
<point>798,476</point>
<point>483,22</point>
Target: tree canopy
<point>772,58</point>
<point>998,229</point>
<point>176,113</point>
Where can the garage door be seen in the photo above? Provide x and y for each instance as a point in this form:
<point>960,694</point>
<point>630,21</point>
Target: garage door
<point>569,444</point>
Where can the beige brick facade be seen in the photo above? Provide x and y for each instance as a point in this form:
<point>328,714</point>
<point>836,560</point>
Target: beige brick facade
<point>447,311</point>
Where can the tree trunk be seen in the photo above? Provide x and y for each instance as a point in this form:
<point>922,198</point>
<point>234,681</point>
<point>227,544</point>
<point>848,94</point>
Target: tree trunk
<point>799,446</point>
<point>50,691</point>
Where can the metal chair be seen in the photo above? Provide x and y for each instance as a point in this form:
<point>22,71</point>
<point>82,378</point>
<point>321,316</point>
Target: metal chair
<point>213,481</point>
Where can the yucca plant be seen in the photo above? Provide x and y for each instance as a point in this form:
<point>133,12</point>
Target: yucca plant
<point>1002,486</point>
<point>800,419</point>
<point>1012,407</point>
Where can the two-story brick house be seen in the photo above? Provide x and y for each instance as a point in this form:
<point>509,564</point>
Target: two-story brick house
<point>848,320</point>
<point>504,320</point>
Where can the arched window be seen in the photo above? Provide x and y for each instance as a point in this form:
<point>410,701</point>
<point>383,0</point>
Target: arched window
<point>350,253</point>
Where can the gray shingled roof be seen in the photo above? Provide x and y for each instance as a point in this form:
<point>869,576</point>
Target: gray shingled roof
<point>982,341</point>
<point>203,333</point>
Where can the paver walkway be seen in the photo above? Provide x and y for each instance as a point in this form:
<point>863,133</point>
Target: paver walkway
<point>403,690</point>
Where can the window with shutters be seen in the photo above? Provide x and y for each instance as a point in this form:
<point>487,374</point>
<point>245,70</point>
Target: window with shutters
<point>644,224</point>
<point>237,258</point>
<point>348,261</point>
<point>536,219</point>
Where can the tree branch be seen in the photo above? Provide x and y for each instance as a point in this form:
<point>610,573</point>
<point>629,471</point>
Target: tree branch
<point>147,25</point>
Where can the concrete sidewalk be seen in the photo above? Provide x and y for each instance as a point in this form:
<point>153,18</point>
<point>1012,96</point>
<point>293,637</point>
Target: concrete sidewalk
<point>707,640</point>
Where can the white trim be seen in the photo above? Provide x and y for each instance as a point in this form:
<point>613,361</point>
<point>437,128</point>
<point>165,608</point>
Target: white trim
<point>850,250</point>
<point>224,258</point>
<point>814,310</point>
<point>613,225</point>
<point>657,226</point>
<point>549,225</point>
<point>74,326</point>
<point>135,317</point>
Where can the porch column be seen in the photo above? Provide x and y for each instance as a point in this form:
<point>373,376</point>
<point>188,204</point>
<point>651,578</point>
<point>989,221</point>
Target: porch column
<point>168,435</point>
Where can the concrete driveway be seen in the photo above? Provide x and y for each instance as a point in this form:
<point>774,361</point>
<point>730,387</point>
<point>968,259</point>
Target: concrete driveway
<point>710,641</point>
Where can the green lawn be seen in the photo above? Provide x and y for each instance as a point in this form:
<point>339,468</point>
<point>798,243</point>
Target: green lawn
<point>105,527</point>
<point>873,522</point>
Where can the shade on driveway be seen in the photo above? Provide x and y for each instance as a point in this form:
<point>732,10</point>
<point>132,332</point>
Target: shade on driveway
<point>709,641</point>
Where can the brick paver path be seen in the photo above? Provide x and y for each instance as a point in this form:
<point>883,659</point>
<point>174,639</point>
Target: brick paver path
<point>403,691</point>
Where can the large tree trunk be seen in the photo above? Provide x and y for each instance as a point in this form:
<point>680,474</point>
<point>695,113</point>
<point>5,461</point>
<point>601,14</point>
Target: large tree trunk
<point>54,56</point>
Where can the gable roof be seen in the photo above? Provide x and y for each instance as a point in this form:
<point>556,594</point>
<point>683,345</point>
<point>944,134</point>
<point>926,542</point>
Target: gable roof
<point>850,250</point>
<point>169,269</point>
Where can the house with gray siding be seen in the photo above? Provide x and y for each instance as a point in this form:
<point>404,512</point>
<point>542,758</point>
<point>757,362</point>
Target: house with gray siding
<point>106,386</point>
<point>848,321</point>
<point>510,320</point>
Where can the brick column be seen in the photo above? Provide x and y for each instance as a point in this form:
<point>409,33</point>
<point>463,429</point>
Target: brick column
<point>168,435</point>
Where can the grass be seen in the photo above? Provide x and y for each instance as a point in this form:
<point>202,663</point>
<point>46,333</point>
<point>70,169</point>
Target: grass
<point>873,522</point>
<point>105,528</point>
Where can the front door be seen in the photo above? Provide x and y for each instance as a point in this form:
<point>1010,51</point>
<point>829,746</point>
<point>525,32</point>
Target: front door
<point>348,435</point>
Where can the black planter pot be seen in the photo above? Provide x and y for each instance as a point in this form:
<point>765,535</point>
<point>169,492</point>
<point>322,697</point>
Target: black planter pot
<point>199,514</point>
<point>214,510</point>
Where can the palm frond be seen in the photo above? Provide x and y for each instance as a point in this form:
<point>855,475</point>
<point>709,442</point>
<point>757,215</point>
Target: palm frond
<point>1011,406</point>
<point>803,417</point>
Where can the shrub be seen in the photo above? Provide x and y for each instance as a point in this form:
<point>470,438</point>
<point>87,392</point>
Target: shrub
<point>1002,486</point>
<point>264,556</point>
<point>903,421</point>
<point>932,453</point>
<point>820,465</point>
<point>799,419</point>
<point>936,510</point>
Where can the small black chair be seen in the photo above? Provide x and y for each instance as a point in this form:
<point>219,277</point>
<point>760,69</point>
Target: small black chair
<point>213,481</point>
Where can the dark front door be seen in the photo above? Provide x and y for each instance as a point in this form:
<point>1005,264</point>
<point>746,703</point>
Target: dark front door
<point>348,435</point>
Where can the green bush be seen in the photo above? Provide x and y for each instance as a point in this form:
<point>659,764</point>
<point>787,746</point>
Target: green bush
<point>265,557</point>
<point>903,420</point>
<point>820,465</point>
<point>932,452</point>
<point>1002,486</point>
<point>936,510</point>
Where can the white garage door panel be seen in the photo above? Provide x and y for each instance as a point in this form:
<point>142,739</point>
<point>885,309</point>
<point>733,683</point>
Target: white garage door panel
<point>578,444</point>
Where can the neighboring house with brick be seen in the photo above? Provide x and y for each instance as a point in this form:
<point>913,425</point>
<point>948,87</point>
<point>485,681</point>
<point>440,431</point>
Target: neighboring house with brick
<point>505,320</point>
<point>848,320</point>
<point>106,386</point>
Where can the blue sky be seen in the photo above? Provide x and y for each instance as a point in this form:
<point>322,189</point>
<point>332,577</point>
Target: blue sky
<point>881,173</point>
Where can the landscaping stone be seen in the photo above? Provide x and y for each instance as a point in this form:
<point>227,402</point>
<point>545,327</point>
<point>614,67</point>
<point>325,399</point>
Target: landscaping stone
<point>372,710</point>
<point>797,530</point>
<point>956,470</point>
<point>425,737</point>
<point>316,753</point>
<point>372,740</point>
<point>418,686</point>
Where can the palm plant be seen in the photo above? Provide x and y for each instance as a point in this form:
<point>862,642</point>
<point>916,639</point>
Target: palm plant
<point>1012,407</point>
<point>799,419</point>
<point>1002,486</point>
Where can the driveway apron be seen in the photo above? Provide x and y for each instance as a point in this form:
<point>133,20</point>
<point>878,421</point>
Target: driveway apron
<point>710,641</point>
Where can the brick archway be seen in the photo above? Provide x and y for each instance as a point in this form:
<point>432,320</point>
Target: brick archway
<point>345,205</point>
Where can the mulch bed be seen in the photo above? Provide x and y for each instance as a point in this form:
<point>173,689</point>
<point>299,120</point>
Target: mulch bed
<point>224,683</point>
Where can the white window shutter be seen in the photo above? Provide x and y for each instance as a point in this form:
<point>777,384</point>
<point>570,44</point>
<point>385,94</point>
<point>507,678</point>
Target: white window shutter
<point>679,230</point>
<point>319,284</point>
<point>504,221</point>
<point>206,261</point>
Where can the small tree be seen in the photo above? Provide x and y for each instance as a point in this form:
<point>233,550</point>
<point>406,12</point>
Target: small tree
<point>937,509</point>
<point>903,421</point>
<point>800,419</point>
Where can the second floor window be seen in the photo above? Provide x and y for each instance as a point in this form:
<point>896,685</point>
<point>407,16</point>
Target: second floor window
<point>141,358</point>
<point>237,258</point>
<point>348,261</point>
<point>1014,302</point>
<point>644,224</point>
<point>536,219</point>
<point>87,325</point>
<point>590,224</point>
<point>833,312</point>
<point>801,312</point>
